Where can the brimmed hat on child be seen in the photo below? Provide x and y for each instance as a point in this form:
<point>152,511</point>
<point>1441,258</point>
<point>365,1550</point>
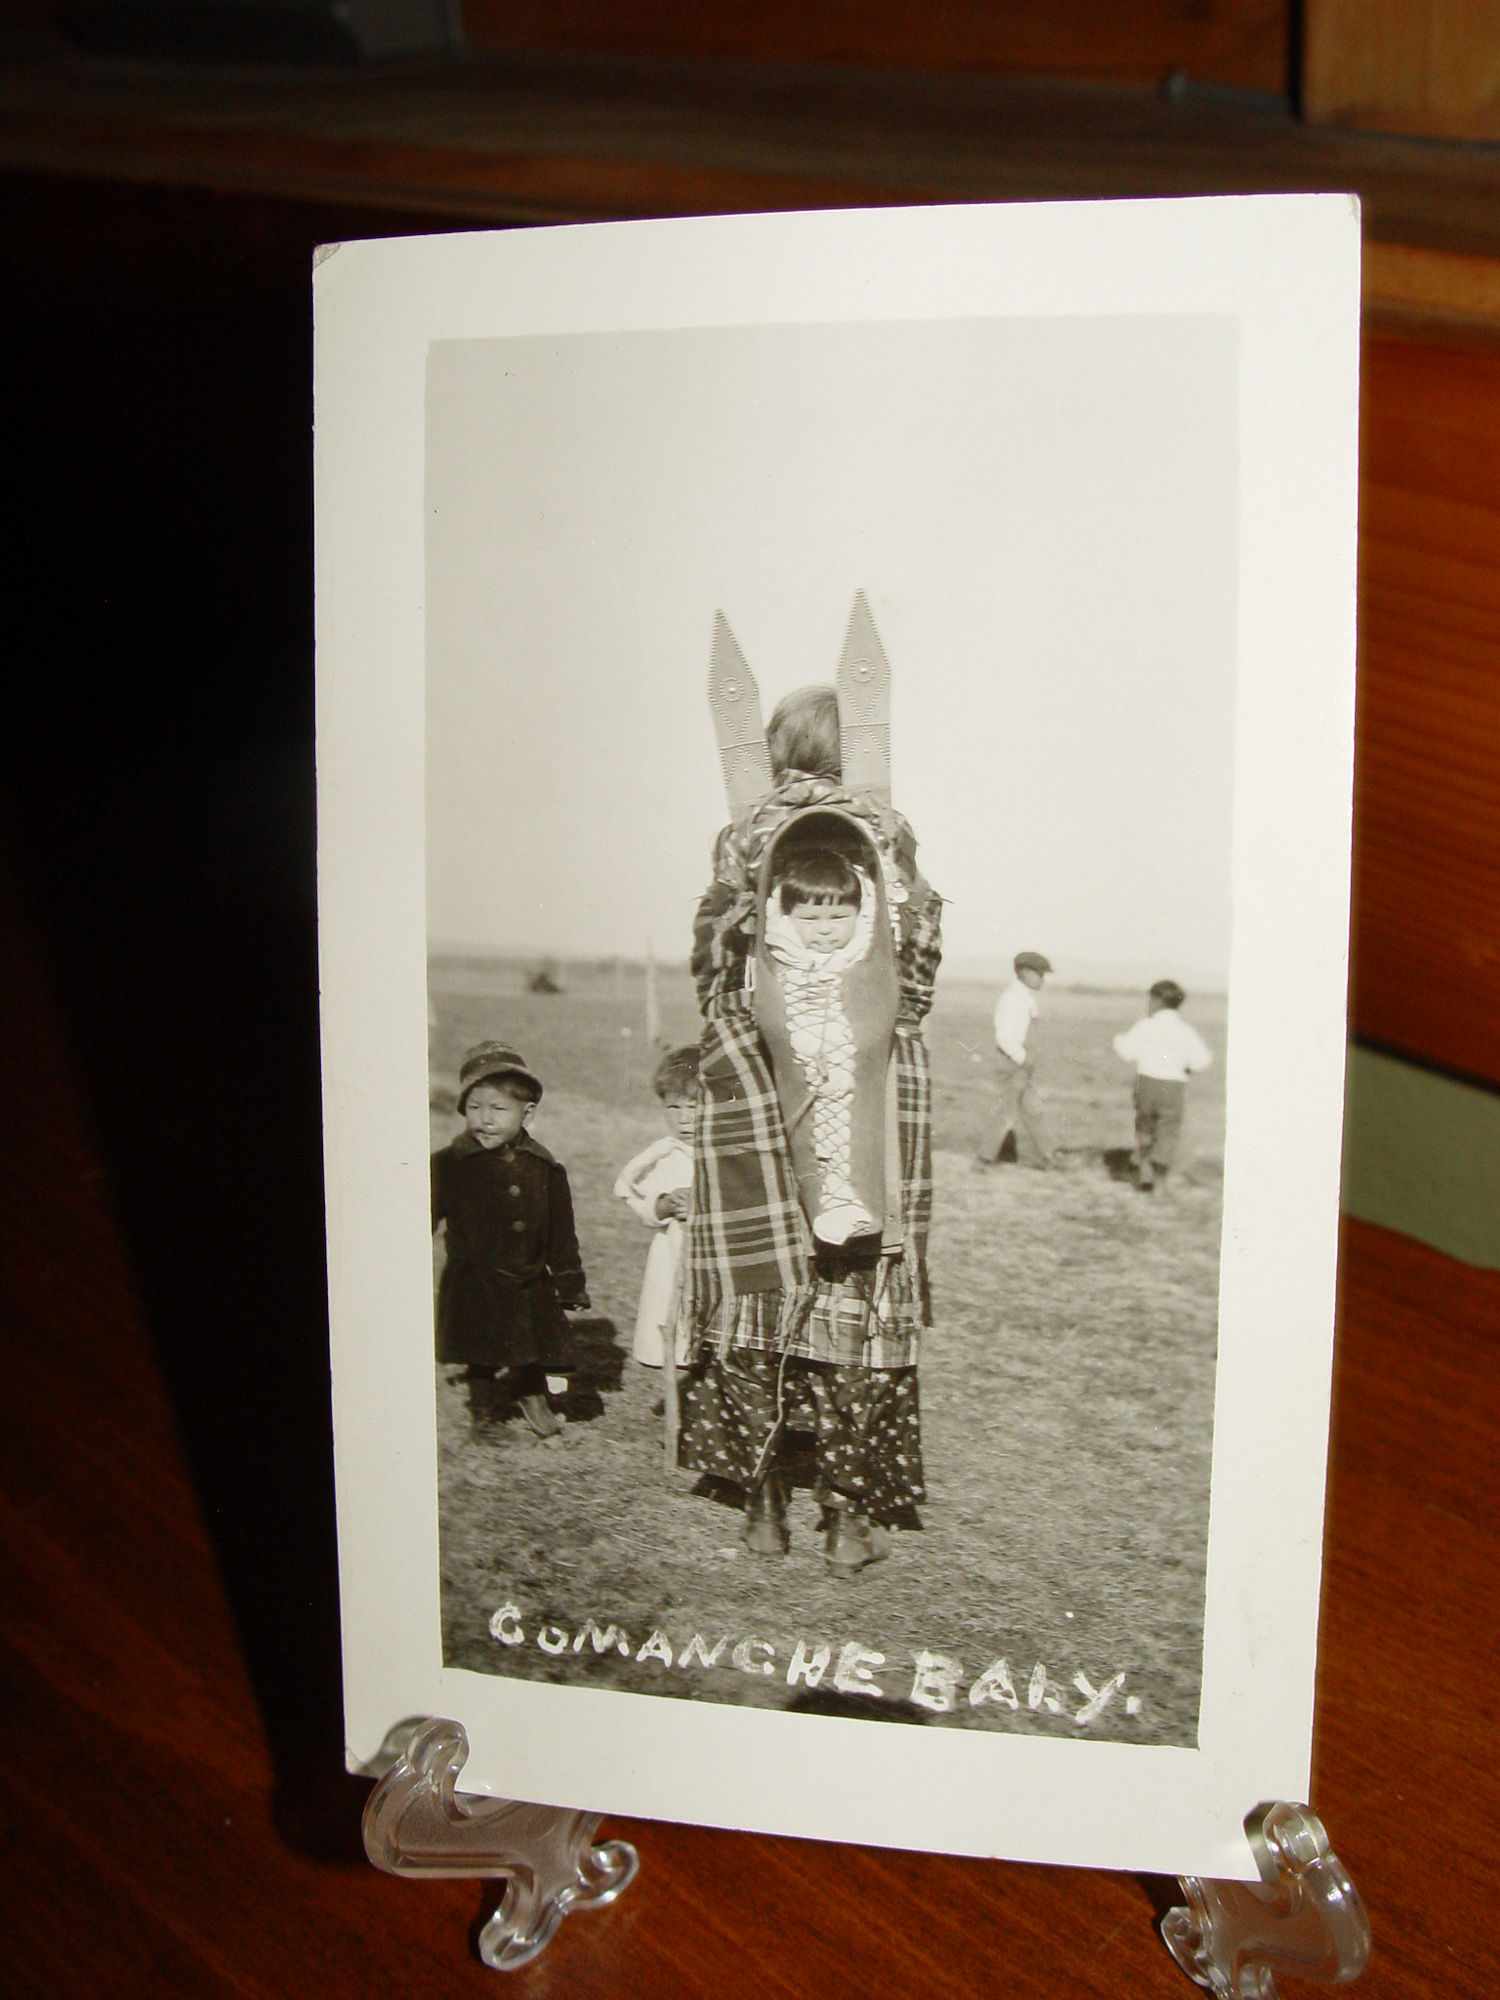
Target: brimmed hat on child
<point>488,1061</point>
<point>1168,992</point>
<point>1031,961</point>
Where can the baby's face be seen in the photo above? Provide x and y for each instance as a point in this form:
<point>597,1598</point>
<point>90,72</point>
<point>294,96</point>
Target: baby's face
<point>494,1115</point>
<point>678,1112</point>
<point>824,926</point>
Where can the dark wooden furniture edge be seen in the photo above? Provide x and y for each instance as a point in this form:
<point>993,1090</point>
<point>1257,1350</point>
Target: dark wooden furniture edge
<point>493,139</point>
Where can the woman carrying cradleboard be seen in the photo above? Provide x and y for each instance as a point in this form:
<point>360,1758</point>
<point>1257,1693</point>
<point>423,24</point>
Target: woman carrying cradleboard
<point>805,1281</point>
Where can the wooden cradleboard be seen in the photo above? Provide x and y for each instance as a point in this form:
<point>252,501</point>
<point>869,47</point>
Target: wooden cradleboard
<point>863,686</point>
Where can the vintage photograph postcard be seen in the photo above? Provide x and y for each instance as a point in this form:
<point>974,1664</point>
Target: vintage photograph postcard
<point>834,779</point>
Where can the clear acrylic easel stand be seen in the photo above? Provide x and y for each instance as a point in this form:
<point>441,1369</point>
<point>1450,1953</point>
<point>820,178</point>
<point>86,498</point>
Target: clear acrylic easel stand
<point>1304,1917</point>
<point>415,1823</point>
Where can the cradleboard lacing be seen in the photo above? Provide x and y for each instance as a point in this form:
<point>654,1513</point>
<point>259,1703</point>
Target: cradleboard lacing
<point>840,1162</point>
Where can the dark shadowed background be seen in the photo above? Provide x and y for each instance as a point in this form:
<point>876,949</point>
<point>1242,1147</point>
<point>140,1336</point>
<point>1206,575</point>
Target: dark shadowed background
<point>157,784</point>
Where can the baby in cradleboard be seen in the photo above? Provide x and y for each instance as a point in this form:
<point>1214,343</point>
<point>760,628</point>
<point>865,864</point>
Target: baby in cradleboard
<point>656,1186</point>
<point>513,1267</point>
<point>819,923</point>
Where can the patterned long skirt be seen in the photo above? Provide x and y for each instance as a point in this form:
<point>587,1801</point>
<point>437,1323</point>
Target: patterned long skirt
<point>745,1408</point>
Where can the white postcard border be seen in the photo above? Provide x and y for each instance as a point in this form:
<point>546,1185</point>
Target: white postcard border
<point>1287,268</point>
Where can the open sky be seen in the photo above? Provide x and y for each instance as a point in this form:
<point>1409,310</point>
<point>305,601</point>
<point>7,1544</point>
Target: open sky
<point>1043,515</point>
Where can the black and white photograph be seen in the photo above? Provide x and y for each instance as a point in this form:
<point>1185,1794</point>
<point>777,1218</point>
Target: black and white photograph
<point>839,811</point>
<point>864,1084</point>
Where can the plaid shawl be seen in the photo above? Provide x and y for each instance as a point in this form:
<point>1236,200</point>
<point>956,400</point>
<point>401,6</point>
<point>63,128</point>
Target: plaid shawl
<point>748,1270</point>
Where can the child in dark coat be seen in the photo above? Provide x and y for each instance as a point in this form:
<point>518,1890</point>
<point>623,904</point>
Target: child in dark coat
<point>513,1265</point>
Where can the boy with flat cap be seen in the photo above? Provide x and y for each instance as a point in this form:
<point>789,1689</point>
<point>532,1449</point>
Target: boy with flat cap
<point>1165,1050</point>
<point>513,1265</point>
<point>1019,1115</point>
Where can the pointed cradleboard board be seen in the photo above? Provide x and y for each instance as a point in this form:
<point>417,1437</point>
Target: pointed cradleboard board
<point>864,691</point>
<point>734,703</point>
<point>870,993</point>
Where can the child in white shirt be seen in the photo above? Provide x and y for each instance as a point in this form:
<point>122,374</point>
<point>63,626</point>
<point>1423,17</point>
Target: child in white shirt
<point>656,1185</point>
<point>1018,1115</point>
<point>1165,1050</point>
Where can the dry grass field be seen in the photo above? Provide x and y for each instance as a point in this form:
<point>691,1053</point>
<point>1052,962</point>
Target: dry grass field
<point>1067,1398</point>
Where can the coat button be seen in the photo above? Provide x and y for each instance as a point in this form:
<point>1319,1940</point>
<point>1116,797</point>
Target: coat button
<point>518,1226</point>
<point>515,1189</point>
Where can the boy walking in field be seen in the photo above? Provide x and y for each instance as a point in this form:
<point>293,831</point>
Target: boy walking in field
<point>1166,1050</point>
<point>513,1265</point>
<point>1019,1114</point>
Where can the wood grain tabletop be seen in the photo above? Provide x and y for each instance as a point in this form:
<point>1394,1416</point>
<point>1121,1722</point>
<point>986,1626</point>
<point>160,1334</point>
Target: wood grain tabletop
<point>504,136</point>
